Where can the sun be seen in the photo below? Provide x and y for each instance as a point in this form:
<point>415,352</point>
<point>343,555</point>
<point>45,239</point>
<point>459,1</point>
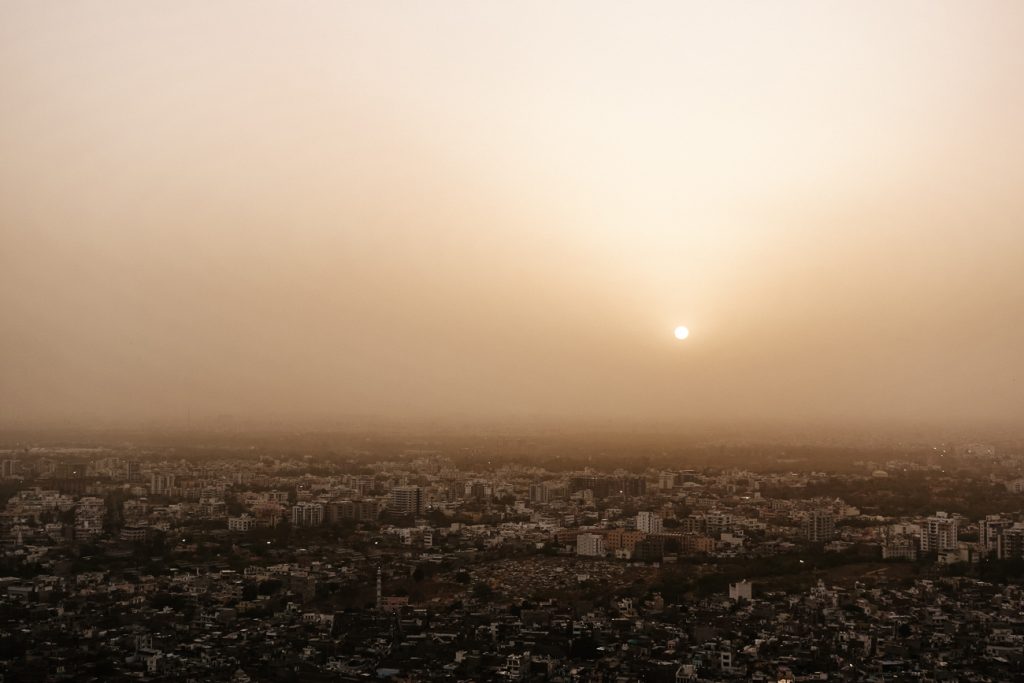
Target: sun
<point>682,333</point>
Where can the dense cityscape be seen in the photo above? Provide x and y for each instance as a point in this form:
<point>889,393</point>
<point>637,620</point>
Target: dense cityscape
<point>436,562</point>
<point>587,341</point>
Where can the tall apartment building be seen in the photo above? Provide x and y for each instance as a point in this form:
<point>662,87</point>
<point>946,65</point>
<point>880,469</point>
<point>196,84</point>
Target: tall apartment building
<point>363,484</point>
<point>1010,543</point>
<point>307,514</point>
<point>717,522</point>
<point>990,529</point>
<point>10,469</point>
<point>356,510</point>
<point>134,512</point>
<point>1015,485</point>
<point>649,523</point>
<point>407,500</point>
<point>819,526</point>
<point>630,486</point>
<point>651,549</point>
<point>539,493</point>
<point>454,490</point>
<point>480,490</point>
<point>90,512</point>
<point>275,496</point>
<point>692,525</point>
<point>696,543</point>
<point>590,545</point>
<point>938,532</point>
<point>161,484</point>
<point>623,539</point>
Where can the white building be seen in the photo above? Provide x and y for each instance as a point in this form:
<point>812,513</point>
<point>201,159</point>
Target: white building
<point>590,545</point>
<point>649,523</point>
<point>938,533</point>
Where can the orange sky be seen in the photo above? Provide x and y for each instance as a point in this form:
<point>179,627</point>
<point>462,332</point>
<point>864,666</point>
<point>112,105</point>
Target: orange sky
<point>490,209</point>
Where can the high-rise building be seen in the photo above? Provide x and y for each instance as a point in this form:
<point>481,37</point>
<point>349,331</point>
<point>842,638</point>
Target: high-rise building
<point>10,469</point>
<point>479,490</point>
<point>990,529</point>
<point>407,500</point>
<point>161,484</point>
<point>632,486</point>
<point>455,490</point>
<point>623,539</point>
<point>629,486</point>
<point>1010,543</point>
<point>363,484</point>
<point>650,549</point>
<point>590,545</point>
<point>307,514</point>
<point>717,522</point>
<point>598,485</point>
<point>649,523</point>
<point>355,510</point>
<point>90,512</point>
<point>819,526</point>
<point>539,493</point>
<point>938,532</point>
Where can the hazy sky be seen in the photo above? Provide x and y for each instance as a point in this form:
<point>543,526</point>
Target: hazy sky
<point>486,209</point>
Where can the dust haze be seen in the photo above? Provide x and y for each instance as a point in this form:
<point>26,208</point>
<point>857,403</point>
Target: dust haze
<point>474,210</point>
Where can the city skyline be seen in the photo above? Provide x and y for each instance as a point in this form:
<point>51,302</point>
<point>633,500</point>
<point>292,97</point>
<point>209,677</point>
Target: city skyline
<point>532,342</point>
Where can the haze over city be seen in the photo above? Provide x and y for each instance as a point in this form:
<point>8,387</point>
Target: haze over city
<point>526,342</point>
<point>487,210</point>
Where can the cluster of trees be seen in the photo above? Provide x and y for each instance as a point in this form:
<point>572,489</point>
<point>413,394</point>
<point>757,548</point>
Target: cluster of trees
<point>912,493</point>
<point>680,582</point>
